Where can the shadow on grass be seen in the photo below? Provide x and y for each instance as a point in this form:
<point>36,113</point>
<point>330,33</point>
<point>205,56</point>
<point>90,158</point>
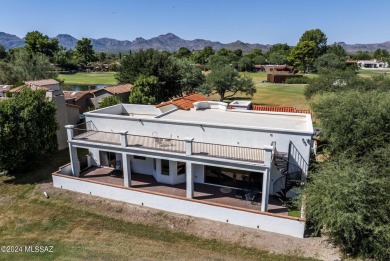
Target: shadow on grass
<point>43,170</point>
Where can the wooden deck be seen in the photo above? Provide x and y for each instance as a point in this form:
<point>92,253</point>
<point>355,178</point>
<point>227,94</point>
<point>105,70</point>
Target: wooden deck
<point>209,193</point>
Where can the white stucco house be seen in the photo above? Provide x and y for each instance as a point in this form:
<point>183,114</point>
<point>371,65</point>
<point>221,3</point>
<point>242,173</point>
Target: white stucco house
<point>210,162</point>
<point>372,64</point>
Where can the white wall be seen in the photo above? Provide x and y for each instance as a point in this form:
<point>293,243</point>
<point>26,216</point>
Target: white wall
<point>217,135</point>
<point>265,222</point>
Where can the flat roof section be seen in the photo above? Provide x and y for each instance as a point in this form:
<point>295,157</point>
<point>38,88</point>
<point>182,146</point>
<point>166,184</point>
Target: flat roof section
<point>267,120</point>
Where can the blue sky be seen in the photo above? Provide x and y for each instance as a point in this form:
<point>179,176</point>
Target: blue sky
<point>261,21</point>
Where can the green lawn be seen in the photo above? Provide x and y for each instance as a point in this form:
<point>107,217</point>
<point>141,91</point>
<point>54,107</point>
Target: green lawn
<point>274,95</point>
<point>85,230</point>
<point>370,73</point>
<point>89,78</point>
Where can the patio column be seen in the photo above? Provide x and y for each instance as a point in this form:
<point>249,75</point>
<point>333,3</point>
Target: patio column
<point>74,161</point>
<point>126,170</point>
<point>190,180</point>
<point>266,177</point>
<point>123,138</point>
<point>265,190</point>
<point>188,147</point>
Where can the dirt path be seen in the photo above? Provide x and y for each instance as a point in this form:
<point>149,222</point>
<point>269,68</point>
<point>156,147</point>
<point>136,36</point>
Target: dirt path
<point>309,247</point>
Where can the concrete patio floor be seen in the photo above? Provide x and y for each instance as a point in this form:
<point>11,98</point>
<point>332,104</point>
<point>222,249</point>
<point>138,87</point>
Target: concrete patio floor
<point>205,192</point>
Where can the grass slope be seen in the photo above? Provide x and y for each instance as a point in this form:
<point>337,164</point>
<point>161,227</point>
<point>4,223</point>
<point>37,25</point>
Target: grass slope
<point>77,232</point>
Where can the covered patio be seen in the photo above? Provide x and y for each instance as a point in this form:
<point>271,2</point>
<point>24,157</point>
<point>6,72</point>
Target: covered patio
<point>227,197</point>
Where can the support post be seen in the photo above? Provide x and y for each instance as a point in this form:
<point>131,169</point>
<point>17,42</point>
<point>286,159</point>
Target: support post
<point>123,138</point>
<point>268,150</point>
<point>188,147</point>
<point>126,170</point>
<point>265,191</point>
<point>190,180</point>
<point>74,161</point>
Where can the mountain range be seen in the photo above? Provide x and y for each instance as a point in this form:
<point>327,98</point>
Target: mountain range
<point>169,42</point>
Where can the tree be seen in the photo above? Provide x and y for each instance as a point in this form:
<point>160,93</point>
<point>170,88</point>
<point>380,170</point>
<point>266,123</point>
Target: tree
<point>65,59</point>
<point>225,79</point>
<point>3,53</point>
<point>349,200</point>
<point>303,55</point>
<point>279,49</point>
<point>146,90</point>
<point>183,52</point>
<point>238,52</point>
<point>277,58</point>
<point>337,50</point>
<point>202,56</point>
<point>319,39</point>
<point>217,61</point>
<point>245,64</point>
<point>254,53</point>
<point>27,130</point>
<point>110,101</point>
<point>354,122</point>
<point>260,59</point>
<point>330,61</point>
<point>191,76</point>
<point>152,63</point>
<point>381,54</point>
<point>84,51</point>
<point>25,66</point>
<point>36,42</point>
<point>362,55</point>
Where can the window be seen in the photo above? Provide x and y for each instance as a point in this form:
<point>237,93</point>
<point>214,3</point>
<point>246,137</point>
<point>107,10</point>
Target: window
<point>107,159</point>
<point>165,167</point>
<point>181,168</point>
<point>139,157</point>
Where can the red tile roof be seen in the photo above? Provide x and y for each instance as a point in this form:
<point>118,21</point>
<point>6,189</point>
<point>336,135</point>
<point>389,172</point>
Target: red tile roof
<point>279,109</point>
<point>185,102</point>
<point>75,94</point>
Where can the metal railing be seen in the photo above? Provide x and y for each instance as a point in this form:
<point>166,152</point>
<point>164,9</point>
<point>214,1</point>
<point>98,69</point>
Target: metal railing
<point>228,152</point>
<point>100,136</point>
<point>156,143</point>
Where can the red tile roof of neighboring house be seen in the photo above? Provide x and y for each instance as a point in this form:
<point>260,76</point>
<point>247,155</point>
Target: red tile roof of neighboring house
<point>117,89</point>
<point>75,94</point>
<point>43,82</point>
<point>279,109</point>
<point>185,102</point>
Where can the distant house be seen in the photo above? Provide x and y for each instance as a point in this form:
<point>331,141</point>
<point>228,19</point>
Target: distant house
<point>185,102</point>
<point>46,85</point>
<point>80,98</point>
<point>122,91</point>
<point>4,89</point>
<point>65,114</point>
<point>281,77</point>
<point>372,64</point>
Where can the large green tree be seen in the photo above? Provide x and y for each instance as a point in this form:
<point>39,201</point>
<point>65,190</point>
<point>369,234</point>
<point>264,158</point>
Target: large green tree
<point>3,53</point>
<point>26,66</point>
<point>225,79</point>
<point>27,130</point>
<point>152,63</point>
<point>303,55</point>
<point>84,51</point>
<point>191,76</point>
<point>337,50</point>
<point>36,42</point>
<point>319,39</point>
<point>330,61</point>
<point>146,90</point>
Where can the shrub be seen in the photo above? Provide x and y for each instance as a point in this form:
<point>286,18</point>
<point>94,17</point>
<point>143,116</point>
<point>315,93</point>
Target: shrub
<point>298,80</point>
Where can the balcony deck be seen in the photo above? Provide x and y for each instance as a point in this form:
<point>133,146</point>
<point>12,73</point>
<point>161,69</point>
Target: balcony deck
<point>204,192</point>
<point>176,146</point>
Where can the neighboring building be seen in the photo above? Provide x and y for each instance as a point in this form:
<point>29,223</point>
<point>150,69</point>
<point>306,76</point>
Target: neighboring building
<point>122,91</point>
<point>281,78</point>
<point>184,103</point>
<point>3,90</point>
<point>65,114</point>
<point>208,162</point>
<point>372,64</point>
<point>82,99</point>
<point>46,85</point>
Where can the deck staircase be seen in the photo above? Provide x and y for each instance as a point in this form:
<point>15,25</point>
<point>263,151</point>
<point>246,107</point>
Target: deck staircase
<point>291,174</point>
